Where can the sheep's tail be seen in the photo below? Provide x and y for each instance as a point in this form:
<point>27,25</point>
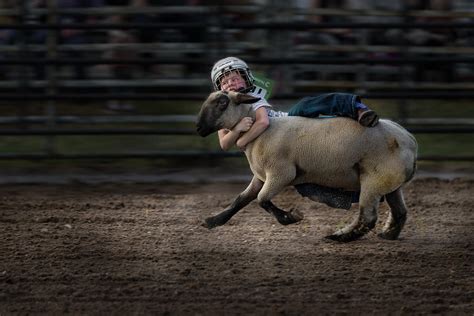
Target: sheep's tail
<point>411,172</point>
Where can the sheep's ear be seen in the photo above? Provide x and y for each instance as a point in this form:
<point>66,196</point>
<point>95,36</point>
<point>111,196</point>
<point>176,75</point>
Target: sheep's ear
<point>240,98</point>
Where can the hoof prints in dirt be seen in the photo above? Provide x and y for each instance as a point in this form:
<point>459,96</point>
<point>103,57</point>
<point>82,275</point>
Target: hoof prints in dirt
<point>134,249</point>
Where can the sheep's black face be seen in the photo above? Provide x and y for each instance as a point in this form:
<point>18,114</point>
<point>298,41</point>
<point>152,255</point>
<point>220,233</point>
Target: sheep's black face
<point>211,110</point>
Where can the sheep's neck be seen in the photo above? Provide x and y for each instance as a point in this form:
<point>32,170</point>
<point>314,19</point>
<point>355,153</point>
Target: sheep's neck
<point>251,113</point>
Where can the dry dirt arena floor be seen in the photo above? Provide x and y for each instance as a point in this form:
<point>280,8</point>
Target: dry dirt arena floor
<point>136,249</point>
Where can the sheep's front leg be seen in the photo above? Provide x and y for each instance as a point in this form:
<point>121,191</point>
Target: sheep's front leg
<point>273,185</point>
<point>244,198</point>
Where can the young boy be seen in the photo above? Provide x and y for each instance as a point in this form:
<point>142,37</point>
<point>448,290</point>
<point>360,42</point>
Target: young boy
<point>233,74</point>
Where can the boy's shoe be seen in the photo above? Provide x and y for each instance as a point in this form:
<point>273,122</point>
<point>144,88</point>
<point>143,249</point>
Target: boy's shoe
<point>368,118</point>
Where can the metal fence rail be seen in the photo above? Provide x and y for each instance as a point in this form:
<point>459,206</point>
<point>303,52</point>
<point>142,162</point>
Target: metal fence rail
<point>177,154</point>
<point>266,61</point>
<point>201,96</point>
<point>23,90</point>
<point>295,26</point>
<point>183,131</point>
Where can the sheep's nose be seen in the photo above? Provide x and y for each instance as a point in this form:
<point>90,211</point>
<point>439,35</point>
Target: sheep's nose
<point>200,130</point>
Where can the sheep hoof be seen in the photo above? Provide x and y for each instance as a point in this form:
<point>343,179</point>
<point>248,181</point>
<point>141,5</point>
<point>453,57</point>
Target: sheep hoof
<point>333,238</point>
<point>390,235</point>
<point>351,236</point>
<point>291,217</point>
<point>210,223</point>
<point>297,215</point>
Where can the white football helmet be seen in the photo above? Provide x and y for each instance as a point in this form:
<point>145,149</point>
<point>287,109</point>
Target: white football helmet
<point>228,64</point>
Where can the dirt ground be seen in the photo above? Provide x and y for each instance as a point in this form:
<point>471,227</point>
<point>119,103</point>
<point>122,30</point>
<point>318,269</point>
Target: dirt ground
<point>140,249</point>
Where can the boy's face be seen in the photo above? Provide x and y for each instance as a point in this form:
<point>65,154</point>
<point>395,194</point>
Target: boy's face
<point>232,81</point>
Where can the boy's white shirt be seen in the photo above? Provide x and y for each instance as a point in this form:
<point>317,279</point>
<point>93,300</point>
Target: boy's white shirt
<point>264,103</point>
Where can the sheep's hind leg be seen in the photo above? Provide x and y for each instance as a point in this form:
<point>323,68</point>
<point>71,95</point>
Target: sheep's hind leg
<point>366,220</point>
<point>396,217</point>
<point>272,186</point>
<point>242,200</point>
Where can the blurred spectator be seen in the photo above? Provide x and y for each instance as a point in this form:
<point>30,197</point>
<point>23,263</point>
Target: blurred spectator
<point>377,36</point>
<point>117,2</point>
<point>324,37</point>
<point>330,36</point>
<point>119,38</point>
<point>144,35</point>
<point>36,36</point>
<point>432,37</point>
<point>7,36</point>
<point>196,34</point>
<point>75,36</point>
<point>180,35</point>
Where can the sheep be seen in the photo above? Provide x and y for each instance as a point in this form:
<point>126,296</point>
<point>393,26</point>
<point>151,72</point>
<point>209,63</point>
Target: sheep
<point>334,153</point>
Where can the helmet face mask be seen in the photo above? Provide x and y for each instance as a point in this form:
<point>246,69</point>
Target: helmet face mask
<point>220,81</point>
<point>224,66</point>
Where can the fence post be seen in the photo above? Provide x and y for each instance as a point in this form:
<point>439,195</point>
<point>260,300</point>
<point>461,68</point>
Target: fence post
<point>280,45</point>
<point>23,80</point>
<point>403,49</point>
<point>361,73</point>
<point>51,76</point>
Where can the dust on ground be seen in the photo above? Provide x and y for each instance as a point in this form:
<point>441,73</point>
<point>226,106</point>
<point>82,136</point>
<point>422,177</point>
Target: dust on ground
<point>141,249</point>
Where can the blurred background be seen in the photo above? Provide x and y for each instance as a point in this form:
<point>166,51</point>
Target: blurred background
<point>114,85</point>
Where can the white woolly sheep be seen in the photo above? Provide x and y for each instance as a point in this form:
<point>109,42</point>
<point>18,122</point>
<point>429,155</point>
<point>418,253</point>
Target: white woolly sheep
<point>335,153</point>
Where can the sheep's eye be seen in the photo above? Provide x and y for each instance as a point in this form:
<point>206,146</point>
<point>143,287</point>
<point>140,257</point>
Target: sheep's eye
<point>222,102</point>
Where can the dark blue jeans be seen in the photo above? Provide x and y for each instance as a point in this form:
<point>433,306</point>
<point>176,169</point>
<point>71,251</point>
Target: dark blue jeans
<point>337,104</point>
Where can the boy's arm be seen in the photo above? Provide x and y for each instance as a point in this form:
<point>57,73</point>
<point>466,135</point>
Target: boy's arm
<point>261,124</point>
<point>227,137</point>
